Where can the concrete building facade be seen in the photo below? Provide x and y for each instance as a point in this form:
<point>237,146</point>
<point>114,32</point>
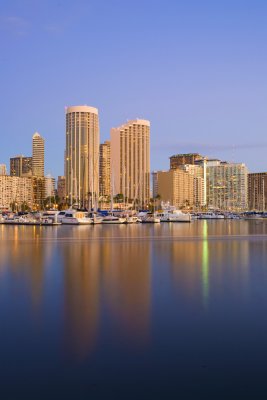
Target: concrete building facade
<point>199,189</point>
<point>104,170</point>
<point>21,166</point>
<point>257,191</point>
<point>50,186</point>
<point>227,185</point>
<point>176,187</point>
<point>15,191</point>
<point>3,169</point>
<point>82,155</point>
<point>181,159</point>
<point>61,189</point>
<point>37,155</point>
<point>130,161</point>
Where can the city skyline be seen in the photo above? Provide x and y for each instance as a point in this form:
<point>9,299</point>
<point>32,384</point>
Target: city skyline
<point>191,150</point>
<point>196,71</point>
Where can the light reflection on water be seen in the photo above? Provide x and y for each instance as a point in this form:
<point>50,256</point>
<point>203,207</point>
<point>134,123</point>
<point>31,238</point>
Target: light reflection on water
<point>94,303</point>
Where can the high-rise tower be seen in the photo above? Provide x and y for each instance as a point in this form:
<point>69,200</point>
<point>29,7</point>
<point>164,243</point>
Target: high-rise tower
<point>82,155</point>
<point>37,155</point>
<point>104,169</point>
<point>130,160</point>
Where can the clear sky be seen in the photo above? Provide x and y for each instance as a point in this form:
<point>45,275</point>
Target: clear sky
<point>196,69</point>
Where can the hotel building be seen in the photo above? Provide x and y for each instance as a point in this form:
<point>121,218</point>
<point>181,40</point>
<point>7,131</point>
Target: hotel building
<point>82,155</point>
<point>176,187</point>
<point>37,155</point>
<point>61,188</point>
<point>199,189</point>
<point>130,161</point>
<point>15,191</point>
<point>227,185</point>
<point>21,166</point>
<point>181,159</point>
<point>257,191</point>
<point>104,170</point>
<point>50,186</point>
<point>195,165</point>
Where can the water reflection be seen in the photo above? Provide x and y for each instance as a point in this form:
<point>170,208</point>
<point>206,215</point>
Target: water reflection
<point>205,264</point>
<point>108,279</point>
<point>81,297</point>
<point>24,261</point>
<point>106,295</point>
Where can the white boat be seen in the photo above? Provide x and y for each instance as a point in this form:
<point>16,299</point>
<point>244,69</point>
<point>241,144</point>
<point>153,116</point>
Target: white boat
<point>211,215</point>
<point>132,220</point>
<point>96,219</point>
<point>253,216</point>
<point>112,219</point>
<point>61,215</point>
<point>150,219</point>
<point>73,217</point>
<point>50,217</point>
<point>174,216</point>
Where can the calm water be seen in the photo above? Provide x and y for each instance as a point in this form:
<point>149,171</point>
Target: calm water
<point>170,311</point>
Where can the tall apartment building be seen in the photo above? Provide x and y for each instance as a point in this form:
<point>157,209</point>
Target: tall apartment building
<point>257,191</point>
<point>82,155</point>
<point>50,186</point>
<point>21,166</point>
<point>38,185</point>
<point>61,188</point>
<point>37,155</point>
<point>176,187</point>
<point>195,164</point>
<point>130,160</point>
<point>227,185</point>
<point>15,191</point>
<point>3,170</point>
<point>104,169</point>
<point>181,159</point>
<point>199,191</point>
<point>155,186</point>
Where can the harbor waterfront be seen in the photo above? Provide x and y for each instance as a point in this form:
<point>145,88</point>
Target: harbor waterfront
<point>134,311</point>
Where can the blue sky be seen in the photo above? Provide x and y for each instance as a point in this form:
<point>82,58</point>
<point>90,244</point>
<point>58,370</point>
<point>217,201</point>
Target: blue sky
<point>195,69</point>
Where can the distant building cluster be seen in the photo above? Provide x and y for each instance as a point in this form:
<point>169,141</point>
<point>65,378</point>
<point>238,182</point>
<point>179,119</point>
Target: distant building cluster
<point>96,174</point>
<point>26,187</point>
<point>197,182</point>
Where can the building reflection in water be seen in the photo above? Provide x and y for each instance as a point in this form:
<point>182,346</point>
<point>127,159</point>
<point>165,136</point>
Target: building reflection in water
<point>81,297</point>
<point>205,264</point>
<point>106,287</point>
<point>23,258</point>
<point>128,290</point>
<point>201,257</point>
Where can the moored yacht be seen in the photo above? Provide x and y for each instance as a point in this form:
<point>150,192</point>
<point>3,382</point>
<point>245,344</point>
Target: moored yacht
<point>211,215</point>
<point>112,219</point>
<point>132,219</point>
<point>73,217</point>
<point>174,216</point>
<point>150,218</point>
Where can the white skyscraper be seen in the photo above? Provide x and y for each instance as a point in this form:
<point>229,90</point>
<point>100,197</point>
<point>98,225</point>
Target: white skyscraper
<point>82,155</point>
<point>37,155</point>
<point>130,160</point>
